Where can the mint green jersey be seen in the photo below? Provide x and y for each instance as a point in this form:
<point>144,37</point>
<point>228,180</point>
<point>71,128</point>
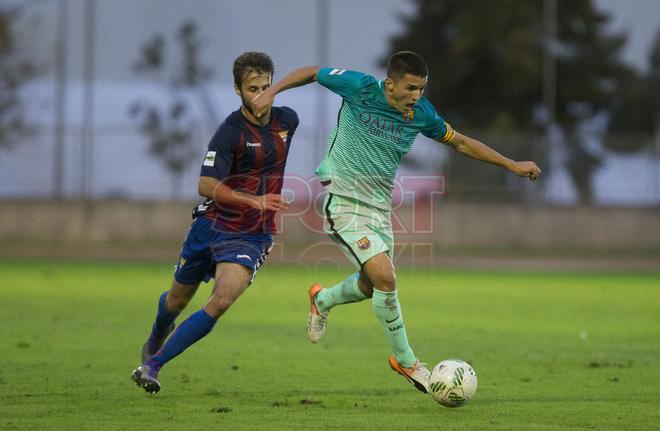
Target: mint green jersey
<point>366,146</point>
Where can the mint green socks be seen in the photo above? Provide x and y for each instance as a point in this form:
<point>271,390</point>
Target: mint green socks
<point>388,311</point>
<point>386,307</point>
<point>344,292</point>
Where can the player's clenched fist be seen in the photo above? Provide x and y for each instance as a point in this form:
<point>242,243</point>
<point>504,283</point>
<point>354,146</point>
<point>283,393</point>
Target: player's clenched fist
<point>261,103</point>
<point>527,169</point>
<point>270,202</point>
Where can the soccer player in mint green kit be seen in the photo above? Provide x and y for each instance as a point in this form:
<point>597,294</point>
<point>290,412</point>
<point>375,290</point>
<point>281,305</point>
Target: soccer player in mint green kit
<point>377,124</point>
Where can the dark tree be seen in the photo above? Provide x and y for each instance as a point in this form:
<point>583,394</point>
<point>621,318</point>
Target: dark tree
<point>171,129</point>
<point>486,62</point>
<point>634,129</point>
<point>14,72</point>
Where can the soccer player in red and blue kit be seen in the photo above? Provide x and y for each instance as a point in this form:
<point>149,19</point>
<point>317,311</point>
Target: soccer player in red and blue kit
<point>231,235</point>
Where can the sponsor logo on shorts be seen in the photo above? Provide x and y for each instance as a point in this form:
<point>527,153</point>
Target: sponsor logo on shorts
<point>243,256</point>
<point>363,243</point>
<point>182,262</point>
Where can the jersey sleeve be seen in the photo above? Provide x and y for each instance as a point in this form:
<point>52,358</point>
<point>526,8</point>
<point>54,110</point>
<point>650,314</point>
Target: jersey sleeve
<point>346,83</point>
<point>220,155</point>
<point>435,126</point>
<point>290,118</point>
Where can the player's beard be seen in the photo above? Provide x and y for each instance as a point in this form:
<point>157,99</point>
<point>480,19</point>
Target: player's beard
<point>248,107</point>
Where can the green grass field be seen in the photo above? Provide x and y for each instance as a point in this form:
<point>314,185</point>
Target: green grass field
<point>552,352</point>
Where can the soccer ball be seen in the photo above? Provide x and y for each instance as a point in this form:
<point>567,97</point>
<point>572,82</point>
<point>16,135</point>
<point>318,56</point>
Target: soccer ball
<point>453,382</point>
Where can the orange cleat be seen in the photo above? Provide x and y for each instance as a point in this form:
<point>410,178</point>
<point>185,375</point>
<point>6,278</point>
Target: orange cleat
<point>418,374</point>
<point>316,321</point>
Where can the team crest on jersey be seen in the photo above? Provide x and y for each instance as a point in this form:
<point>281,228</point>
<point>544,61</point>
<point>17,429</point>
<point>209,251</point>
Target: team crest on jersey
<point>409,115</point>
<point>363,243</point>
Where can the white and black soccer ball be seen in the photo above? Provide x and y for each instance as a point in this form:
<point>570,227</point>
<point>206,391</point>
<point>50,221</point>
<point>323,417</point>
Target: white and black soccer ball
<point>453,382</point>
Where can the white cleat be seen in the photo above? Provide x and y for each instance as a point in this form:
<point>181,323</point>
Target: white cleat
<point>316,321</point>
<point>418,374</point>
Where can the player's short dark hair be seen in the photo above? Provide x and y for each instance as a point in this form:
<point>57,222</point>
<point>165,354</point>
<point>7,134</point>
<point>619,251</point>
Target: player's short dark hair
<point>257,61</point>
<point>403,62</point>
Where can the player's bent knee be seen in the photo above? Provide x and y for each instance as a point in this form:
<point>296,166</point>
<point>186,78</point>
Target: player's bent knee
<point>218,304</point>
<point>386,287</point>
<point>385,282</point>
<point>380,271</point>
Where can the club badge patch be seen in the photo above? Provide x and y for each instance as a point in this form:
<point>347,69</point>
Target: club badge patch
<point>409,115</point>
<point>209,160</point>
<point>364,243</point>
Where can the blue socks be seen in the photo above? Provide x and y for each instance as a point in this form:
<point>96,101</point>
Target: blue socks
<point>164,318</point>
<point>190,331</point>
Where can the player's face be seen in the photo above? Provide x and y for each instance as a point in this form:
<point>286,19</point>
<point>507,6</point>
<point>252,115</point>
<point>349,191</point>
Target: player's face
<point>406,91</point>
<point>254,83</point>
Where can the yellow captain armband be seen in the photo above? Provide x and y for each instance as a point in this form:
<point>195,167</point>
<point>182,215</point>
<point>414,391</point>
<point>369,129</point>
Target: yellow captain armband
<point>449,133</point>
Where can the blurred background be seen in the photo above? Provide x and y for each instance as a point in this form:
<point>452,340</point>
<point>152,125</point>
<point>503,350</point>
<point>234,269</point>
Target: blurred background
<point>106,109</point>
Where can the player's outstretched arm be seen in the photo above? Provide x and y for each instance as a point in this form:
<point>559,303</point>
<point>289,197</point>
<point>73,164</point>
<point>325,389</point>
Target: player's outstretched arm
<point>479,151</point>
<point>297,78</point>
<point>213,189</point>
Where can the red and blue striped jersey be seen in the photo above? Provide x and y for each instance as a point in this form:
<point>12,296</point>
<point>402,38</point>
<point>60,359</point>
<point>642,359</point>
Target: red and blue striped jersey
<point>249,158</point>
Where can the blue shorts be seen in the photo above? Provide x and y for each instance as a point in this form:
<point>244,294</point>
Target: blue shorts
<point>204,247</point>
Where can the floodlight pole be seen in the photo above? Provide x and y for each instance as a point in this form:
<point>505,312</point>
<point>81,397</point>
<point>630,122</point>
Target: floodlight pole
<point>87,133</point>
<point>60,99</point>
<point>549,73</point>
<point>322,46</point>
<point>549,61</point>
